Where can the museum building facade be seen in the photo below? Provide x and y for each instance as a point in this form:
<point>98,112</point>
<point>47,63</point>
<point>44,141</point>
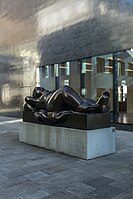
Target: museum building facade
<point>86,44</point>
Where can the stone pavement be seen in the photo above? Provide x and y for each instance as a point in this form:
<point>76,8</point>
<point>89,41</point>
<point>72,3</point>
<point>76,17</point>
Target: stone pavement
<point>28,172</point>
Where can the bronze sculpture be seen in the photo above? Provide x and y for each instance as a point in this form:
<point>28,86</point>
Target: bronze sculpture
<point>55,106</point>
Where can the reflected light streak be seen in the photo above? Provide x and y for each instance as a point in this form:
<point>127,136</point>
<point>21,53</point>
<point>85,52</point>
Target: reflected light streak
<point>103,8</point>
<point>107,72</point>
<point>10,122</point>
<point>108,66</point>
<point>63,14</point>
<point>5,94</point>
<point>89,64</point>
<point>129,70</point>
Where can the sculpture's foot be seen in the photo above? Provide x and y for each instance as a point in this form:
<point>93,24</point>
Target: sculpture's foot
<point>103,102</point>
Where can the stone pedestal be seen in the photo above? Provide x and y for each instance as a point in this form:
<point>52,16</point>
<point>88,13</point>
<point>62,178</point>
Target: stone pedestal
<point>86,144</point>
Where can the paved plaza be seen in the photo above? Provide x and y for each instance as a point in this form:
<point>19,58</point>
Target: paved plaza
<point>29,172</point>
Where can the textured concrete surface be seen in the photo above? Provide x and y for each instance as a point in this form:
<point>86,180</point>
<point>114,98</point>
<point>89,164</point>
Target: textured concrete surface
<point>69,141</point>
<point>28,172</point>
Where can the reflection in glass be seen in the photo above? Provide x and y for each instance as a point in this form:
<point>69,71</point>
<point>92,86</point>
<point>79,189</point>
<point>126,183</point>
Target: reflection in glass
<point>64,68</point>
<point>47,71</point>
<point>91,76</point>
<point>85,77</point>
<point>100,64</point>
<point>125,82</point>
<point>130,69</point>
<point>102,76</point>
<point>86,65</point>
<point>56,70</point>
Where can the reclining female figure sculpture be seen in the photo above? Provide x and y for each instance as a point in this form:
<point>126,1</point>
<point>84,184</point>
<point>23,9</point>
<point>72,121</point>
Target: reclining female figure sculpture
<point>55,106</point>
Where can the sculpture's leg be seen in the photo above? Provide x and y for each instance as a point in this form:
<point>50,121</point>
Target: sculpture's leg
<point>75,102</point>
<point>55,101</point>
<point>71,98</point>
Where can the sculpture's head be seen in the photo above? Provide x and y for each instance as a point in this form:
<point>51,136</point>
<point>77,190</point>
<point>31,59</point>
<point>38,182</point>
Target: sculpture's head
<point>38,92</point>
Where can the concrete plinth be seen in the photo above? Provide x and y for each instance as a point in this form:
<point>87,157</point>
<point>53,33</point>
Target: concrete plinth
<point>86,144</point>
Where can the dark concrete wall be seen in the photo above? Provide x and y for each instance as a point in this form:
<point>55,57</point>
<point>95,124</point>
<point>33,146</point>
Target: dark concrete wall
<point>106,26</point>
<point>40,32</point>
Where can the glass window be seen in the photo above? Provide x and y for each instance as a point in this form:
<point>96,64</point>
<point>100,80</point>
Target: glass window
<point>125,83</point>
<point>86,66</point>
<point>130,69</point>
<point>56,70</point>
<point>101,77</point>
<point>47,71</point>
<point>91,76</point>
<point>85,77</point>
<point>100,64</point>
<point>121,68</point>
<point>64,69</point>
<point>122,91</point>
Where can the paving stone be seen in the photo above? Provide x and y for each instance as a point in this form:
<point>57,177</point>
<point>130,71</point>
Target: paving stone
<point>115,175</point>
<point>31,172</point>
<point>72,172</point>
<point>36,175</point>
<point>123,184</point>
<point>15,173</point>
<point>13,182</point>
<point>38,162</point>
<point>3,177</point>
<point>10,192</point>
<point>55,169</point>
<point>125,195</point>
<point>29,186</point>
<point>80,189</point>
<point>106,192</point>
<point>51,188</point>
<point>99,182</point>
<point>34,195</point>
<point>62,195</point>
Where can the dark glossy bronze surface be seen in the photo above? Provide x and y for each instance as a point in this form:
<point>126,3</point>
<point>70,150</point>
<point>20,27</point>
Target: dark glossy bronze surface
<point>75,121</point>
<point>40,32</point>
<point>56,106</point>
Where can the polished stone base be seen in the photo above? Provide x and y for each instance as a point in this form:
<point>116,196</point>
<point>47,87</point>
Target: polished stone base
<point>77,120</point>
<point>86,144</point>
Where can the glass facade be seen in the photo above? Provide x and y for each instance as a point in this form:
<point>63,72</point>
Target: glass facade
<point>125,84</point>
<point>93,75</point>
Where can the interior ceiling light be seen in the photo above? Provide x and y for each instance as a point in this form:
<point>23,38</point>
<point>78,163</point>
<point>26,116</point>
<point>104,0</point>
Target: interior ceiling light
<point>62,67</point>
<point>107,72</point>
<point>88,70</point>
<point>108,66</point>
<point>88,63</point>
<point>129,70</point>
<point>110,58</point>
